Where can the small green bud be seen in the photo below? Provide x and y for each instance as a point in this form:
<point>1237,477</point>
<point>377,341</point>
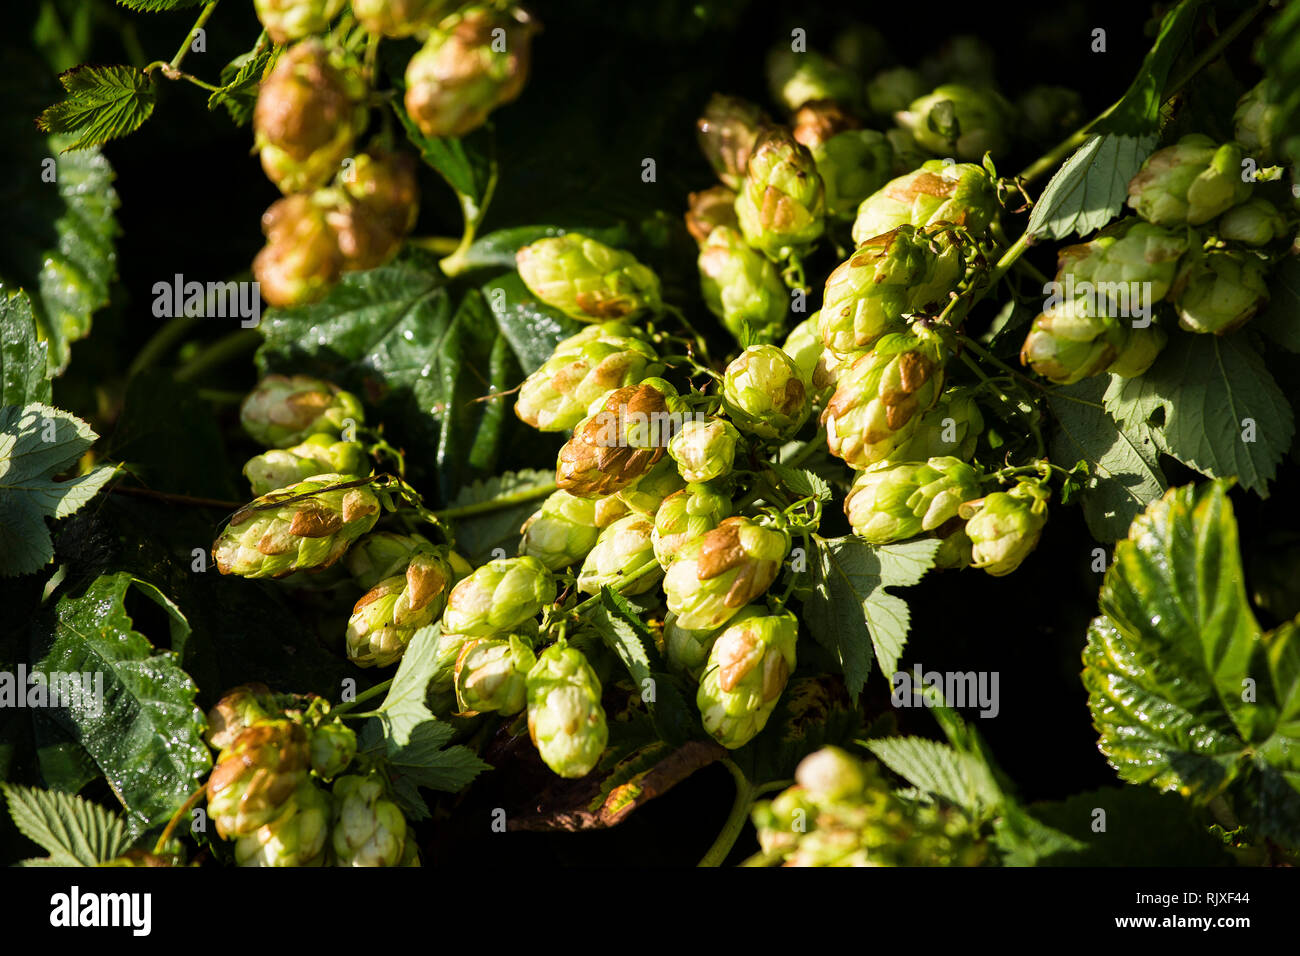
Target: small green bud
<point>959,121</point>
<point>317,454</point>
<point>704,450</point>
<point>285,410</point>
<point>622,551</point>
<point>687,514</point>
<point>747,670</point>
<point>764,393</point>
<point>1005,526</point>
<point>498,597</point>
<point>741,286</point>
<point>1189,183</point>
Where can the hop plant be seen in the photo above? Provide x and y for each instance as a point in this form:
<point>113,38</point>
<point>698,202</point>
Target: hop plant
<point>498,597</point>
<point>798,78</point>
<point>646,494</point>
<point>720,571</point>
<point>308,115</point>
<point>887,277</point>
<point>369,829</point>
<point>466,69</point>
<point>1219,292</point>
<point>1188,183</point>
<point>952,428</point>
<point>561,531</point>
<point>565,718</point>
<point>1005,526</point>
<point>1255,222</point>
<point>315,455</point>
<point>298,837</point>
<point>307,526</point>
<point>747,670</point>
<point>382,554</point>
<point>727,133</point>
<point>586,279</point>
<point>962,194</point>
<point>490,675</point>
<point>387,616</point>
<point>852,165</point>
<point>704,450</point>
<point>288,20</point>
<point>880,398</point>
<point>741,286</point>
<point>959,121</point>
<point>333,745</point>
<point>893,90</point>
<point>764,393</point>
<point>237,710</point>
<point>817,121</point>
<point>284,410</point>
<point>686,514</point>
<point>301,260</point>
<point>1254,122</point>
<point>619,442</point>
<point>398,18</point>
<point>708,209</point>
<point>890,503</point>
<point>815,363</point>
<point>781,204</point>
<point>688,651</point>
<point>256,776</point>
<point>623,551</point>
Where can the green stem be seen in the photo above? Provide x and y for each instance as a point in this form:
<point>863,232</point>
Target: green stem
<point>220,396</point>
<point>1211,52</point>
<point>179,58</point>
<point>161,343</point>
<point>190,78</point>
<point>161,846</point>
<point>496,504</point>
<point>810,446</point>
<point>968,342</point>
<point>1015,406</point>
<point>631,578</point>
<point>380,688</point>
<point>735,821</point>
<point>219,352</point>
<point>473,212</point>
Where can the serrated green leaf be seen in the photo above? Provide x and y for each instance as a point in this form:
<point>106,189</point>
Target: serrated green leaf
<point>1280,320</point>
<point>103,103</point>
<point>23,362</point>
<point>481,537</point>
<point>802,482</point>
<point>464,162</point>
<point>850,613</point>
<point>38,442</point>
<point>144,732</point>
<point>1138,111</point>
<point>1211,403</point>
<point>1090,188</point>
<point>532,328</point>
<point>75,832</point>
<point>938,769</point>
<point>155,6</point>
<point>240,79</point>
<point>1124,475</point>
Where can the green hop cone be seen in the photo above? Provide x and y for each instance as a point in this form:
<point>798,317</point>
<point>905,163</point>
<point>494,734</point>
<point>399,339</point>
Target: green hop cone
<point>764,393</point>
<point>471,63</point>
<point>288,20</point>
<point>646,494</point>
<point>1188,183</point>
<point>1048,114</point>
<point>781,821</point>
<point>333,745</point>
<point>621,440</point>
<point>747,670</point>
<point>889,503</point>
<point>815,363</point>
<point>1005,526</point>
<point>296,838</point>
<point>1219,292</point>
<point>283,410</point>
<point>892,90</point>
<point>1139,352</point>
<point>708,209</point>
<point>238,709</point>
<point>382,554</point>
<point>741,286</point>
<point>318,454</point>
<point>491,675</point>
<point>1067,342</point>
<point>387,616</point>
<point>688,651</point>
<point>797,78</point>
<point>717,573</point>
<point>704,450</point>
<point>561,532</point>
<point>962,194</point>
<point>952,427</point>
<point>399,18</point>
<point>1255,124</point>
<point>879,399</point>
<point>622,551</point>
<point>446,653</point>
<point>301,260</point>
<point>832,775</point>
<point>302,527</point>
<point>309,113</point>
<point>565,718</point>
<point>369,829</point>
<point>587,280</point>
<point>727,133</point>
<point>256,776</point>
<point>955,546</point>
<point>887,277</point>
<point>852,166</point>
<point>498,597</point>
<point>385,185</point>
<point>1255,222</point>
<point>781,205</point>
<point>960,122</point>
<point>687,514</point>
<point>556,396</point>
<point>818,120</point>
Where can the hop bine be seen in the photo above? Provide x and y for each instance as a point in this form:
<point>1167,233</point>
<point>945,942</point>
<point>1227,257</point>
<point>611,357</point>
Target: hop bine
<point>586,279</point>
<point>498,597</point>
<point>852,166</point>
<point>317,454</point>
<point>741,286</point>
<point>720,571</point>
<point>1005,526</point>
<point>727,132</point>
<point>747,670</point>
<point>623,551</point>
<point>781,204</point>
<point>297,838</point>
<point>256,775</point>
<point>1188,183</point>
<point>387,616</point>
<point>307,526</point>
<point>961,194</point>
<point>565,719</point>
<point>959,121</point>
<point>490,675</point>
<point>286,410</point>
<point>369,829</point>
<point>704,450</point>
<point>764,392</point>
<point>620,441</point>
<point>894,502</point>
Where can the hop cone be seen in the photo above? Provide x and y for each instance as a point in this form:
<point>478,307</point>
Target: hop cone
<point>893,502</point>
<point>704,450</point>
<point>309,112</point>
<point>382,554</point>
<point>819,120</point>
<point>285,410</point>
<point>565,719</point>
<point>490,675</point>
<point>498,597</point>
<point>318,454</point>
<point>880,398</point>
<point>301,260</point>
<point>764,393</point>
<point>709,209</point>
<point>620,442</point>
<point>466,69</point>
<point>804,345</point>
<point>388,615</point>
<point>584,369</point>
<point>287,20</point>
<point>720,571</point>
<point>781,205</point>
<point>587,280</point>
<point>561,532</point>
<point>1220,292</point>
<point>1140,350</point>
<point>296,838</point>
<point>741,286</point>
<point>237,710</point>
<point>798,78</point>
<point>647,493</point>
<point>1188,183</point>
<point>957,193</point>
<point>745,674</point>
<point>952,427</point>
<point>1005,526</point>
<point>398,18</point>
<point>333,745</point>
<point>1255,222</point>
<point>891,91</point>
<point>299,528</point>
<point>688,651</point>
<point>446,653</point>
<point>1255,123</point>
<point>385,185</point>
<point>623,550</point>
<point>889,276</point>
<point>369,829</point>
<point>959,121</point>
<point>1068,342</point>
<point>852,166</point>
<point>727,132</point>
<point>689,513</point>
<point>256,776</point>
